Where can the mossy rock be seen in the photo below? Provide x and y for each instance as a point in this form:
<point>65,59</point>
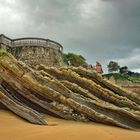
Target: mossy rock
<point>5,53</point>
<point>2,52</point>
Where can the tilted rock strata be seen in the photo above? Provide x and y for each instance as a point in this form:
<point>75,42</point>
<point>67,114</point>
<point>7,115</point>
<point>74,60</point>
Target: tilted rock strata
<point>106,83</point>
<point>65,93</point>
<point>20,109</point>
<point>93,87</point>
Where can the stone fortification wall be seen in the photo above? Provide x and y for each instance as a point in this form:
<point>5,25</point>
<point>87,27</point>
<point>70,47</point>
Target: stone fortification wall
<point>34,51</point>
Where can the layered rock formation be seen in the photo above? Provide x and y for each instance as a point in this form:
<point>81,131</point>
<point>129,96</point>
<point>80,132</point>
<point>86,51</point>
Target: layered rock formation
<point>68,92</point>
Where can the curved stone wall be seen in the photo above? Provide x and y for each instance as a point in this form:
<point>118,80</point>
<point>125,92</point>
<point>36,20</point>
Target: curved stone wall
<point>34,51</point>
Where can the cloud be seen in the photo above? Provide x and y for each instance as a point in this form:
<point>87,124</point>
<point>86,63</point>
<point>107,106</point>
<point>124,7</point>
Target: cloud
<point>136,70</point>
<point>100,30</point>
<point>132,61</point>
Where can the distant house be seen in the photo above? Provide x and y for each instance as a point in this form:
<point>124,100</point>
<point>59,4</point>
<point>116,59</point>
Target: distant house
<point>99,68</point>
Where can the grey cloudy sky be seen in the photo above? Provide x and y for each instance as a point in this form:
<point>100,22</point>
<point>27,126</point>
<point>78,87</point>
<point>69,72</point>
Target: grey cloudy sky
<point>101,30</point>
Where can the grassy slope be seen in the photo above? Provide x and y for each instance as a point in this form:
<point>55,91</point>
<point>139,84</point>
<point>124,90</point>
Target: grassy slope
<point>116,76</point>
<point>134,79</point>
<point>122,77</point>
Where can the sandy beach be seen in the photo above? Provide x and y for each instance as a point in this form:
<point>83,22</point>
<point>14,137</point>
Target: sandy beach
<point>14,128</point>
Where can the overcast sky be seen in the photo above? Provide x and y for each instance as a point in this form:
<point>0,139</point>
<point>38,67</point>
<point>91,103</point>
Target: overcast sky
<point>100,30</point>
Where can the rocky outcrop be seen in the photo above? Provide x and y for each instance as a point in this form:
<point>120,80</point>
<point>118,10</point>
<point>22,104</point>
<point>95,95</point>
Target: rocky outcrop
<point>69,93</point>
<point>129,85</point>
<point>19,108</point>
<point>133,88</point>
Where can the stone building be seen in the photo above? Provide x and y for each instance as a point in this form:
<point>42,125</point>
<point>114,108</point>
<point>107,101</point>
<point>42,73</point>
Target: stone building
<point>99,68</point>
<point>34,51</point>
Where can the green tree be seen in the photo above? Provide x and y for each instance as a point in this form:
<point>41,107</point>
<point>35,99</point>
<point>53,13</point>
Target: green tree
<point>113,66</point>
<point>124,70</point>
<point>74,59</point>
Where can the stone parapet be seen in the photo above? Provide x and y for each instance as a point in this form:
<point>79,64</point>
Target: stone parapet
<point>34,51</point>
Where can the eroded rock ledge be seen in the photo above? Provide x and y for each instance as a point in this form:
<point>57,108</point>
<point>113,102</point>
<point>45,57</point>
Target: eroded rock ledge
<point>68,92</point>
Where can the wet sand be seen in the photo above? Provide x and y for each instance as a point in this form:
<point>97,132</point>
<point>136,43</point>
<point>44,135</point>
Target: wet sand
<point>14,128</point>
